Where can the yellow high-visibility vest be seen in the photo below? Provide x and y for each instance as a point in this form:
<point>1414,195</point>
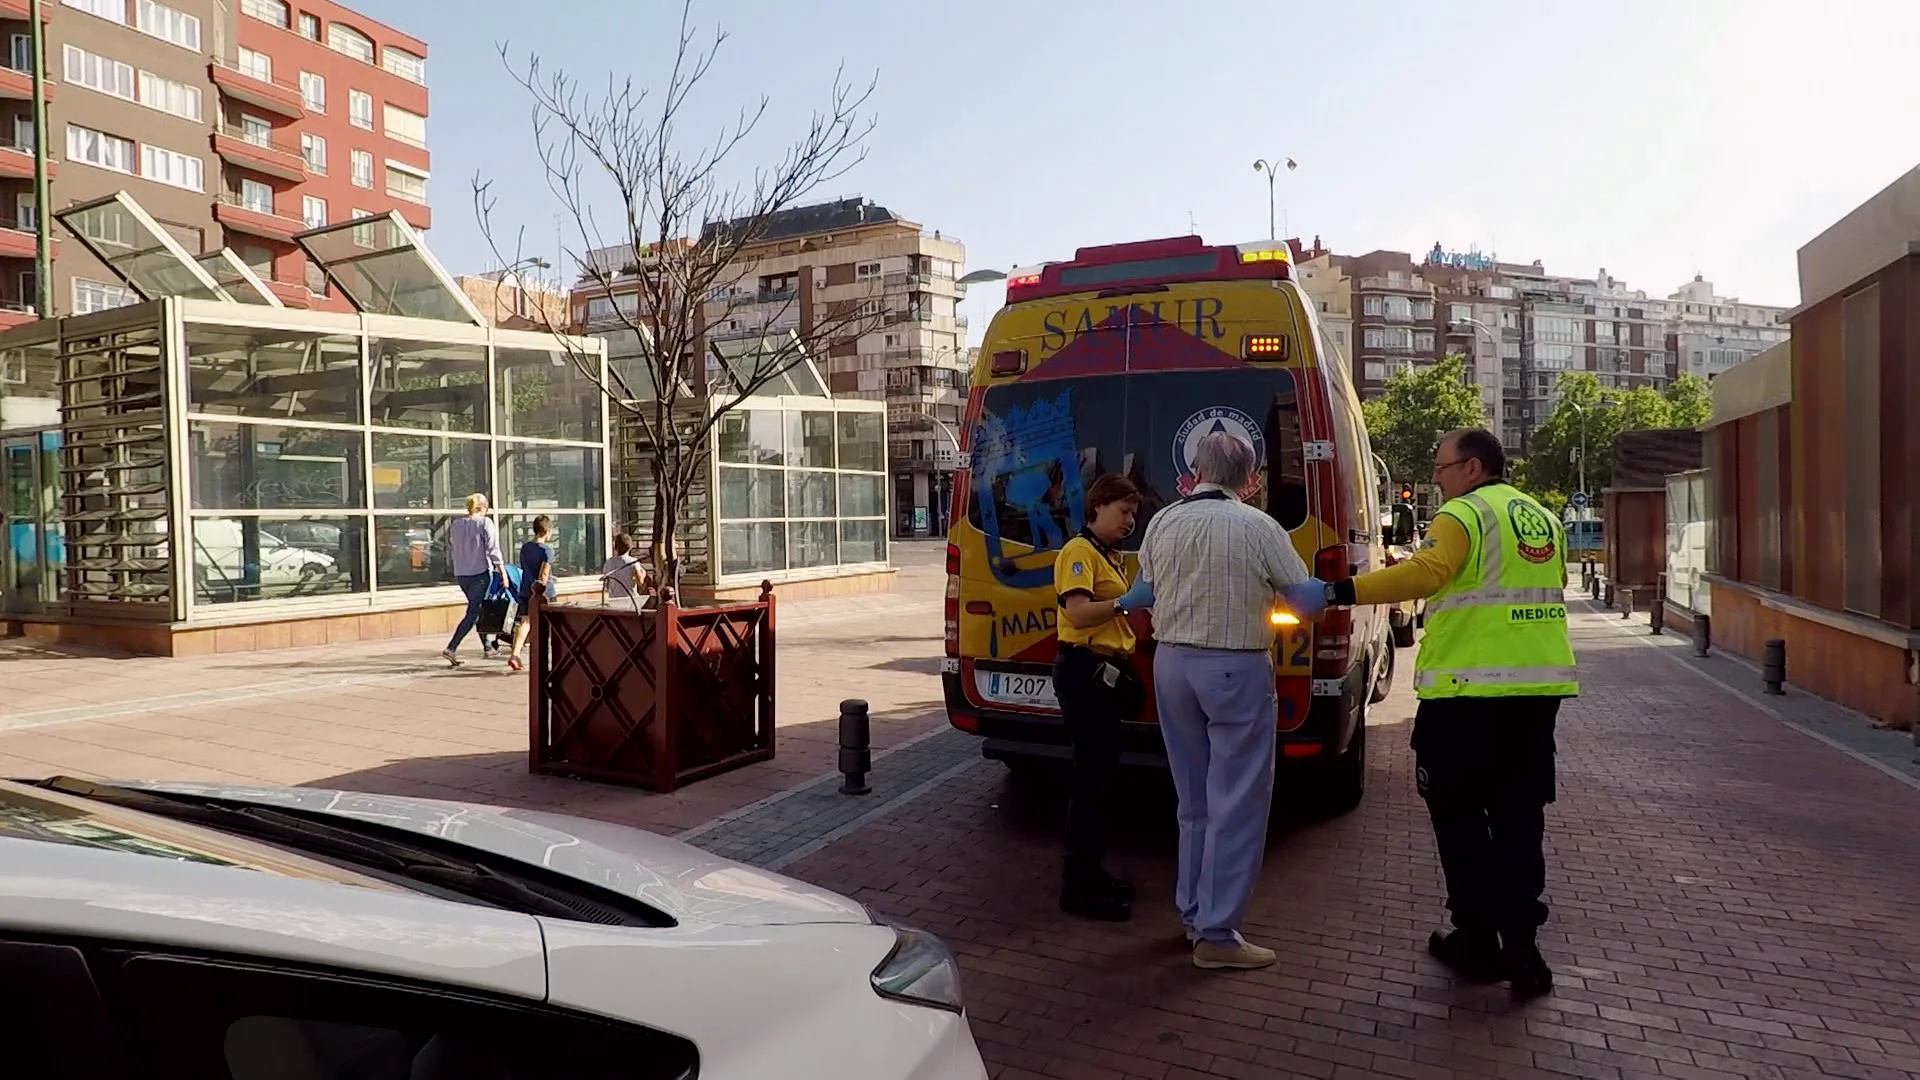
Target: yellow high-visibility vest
<point>1499,628</point>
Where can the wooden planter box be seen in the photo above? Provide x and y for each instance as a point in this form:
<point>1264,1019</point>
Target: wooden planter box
<point>651,699</point>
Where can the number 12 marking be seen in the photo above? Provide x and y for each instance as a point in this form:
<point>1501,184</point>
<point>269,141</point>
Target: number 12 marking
<point>1301,642</point>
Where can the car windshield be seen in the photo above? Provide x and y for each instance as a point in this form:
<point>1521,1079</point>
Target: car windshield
<point>1039,444</point>
<point>419,863</point>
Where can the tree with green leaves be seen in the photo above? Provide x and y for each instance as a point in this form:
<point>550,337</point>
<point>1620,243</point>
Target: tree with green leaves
<point>1420,405</point>
<point>1587,417</point>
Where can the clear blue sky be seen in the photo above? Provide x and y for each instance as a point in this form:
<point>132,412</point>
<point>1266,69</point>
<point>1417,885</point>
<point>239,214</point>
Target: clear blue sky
<point>1656,140</point>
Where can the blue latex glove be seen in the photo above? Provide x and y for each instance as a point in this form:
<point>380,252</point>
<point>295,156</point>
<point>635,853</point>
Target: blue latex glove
<point>1138,596</point>
<point>1307,599</point>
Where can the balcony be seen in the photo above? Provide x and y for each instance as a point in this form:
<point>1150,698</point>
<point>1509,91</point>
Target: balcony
<point>272,95</point>
<point>18,240</point>
<point>17,85</point>
<point>19,9</point>
<point>775,296</point>
<point>16,161</point>
<point>241,218</point>
<point>1380,284</point>
<point>259,153</point>
<point>291,293</point>
<point>12,315</point>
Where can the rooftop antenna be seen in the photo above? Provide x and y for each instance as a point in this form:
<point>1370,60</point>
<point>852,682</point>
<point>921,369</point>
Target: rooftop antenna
<point>1192,229</point>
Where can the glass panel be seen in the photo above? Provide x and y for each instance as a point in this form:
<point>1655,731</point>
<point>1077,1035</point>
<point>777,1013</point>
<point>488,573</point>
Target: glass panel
<point>752,493</point>
<point>863,496</point>
<point>814,544</point>
<point>810,494</point>
<point>810,439</point>
<point>436,386</point>
<point>273,374</point>
<point>863,542</point>
<point>247,558</point>
<point>383,268</point>
<point>550,478</point>
<point>411,552</point>
<point>750,437</point>
<point>545,395</point>
<point>268,467</point>
<point>425,472</point>
<point>579,541</point>
<point>141,253</point>
<point>863,441</point>
<point>237,278</point>
<point>753,548</point>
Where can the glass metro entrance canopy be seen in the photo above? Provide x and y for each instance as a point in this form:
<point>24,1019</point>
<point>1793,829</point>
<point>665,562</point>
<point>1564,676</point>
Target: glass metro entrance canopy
<point>378,263</point>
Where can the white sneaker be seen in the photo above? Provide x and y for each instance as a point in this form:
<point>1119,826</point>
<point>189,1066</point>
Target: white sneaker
<point>452,660</point>
<point>1232,955</point>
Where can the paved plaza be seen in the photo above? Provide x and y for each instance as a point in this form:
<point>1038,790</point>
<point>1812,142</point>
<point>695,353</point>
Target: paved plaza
<point>1735,878</point>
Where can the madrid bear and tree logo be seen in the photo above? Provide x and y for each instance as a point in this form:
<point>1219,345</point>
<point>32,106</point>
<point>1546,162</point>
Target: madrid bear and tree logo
<point>1186,441</point>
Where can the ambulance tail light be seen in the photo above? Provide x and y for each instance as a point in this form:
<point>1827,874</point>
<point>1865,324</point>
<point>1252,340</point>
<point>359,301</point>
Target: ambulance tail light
<point>1333,634</point>
<point>1009,362</point>
<point>953,600</point>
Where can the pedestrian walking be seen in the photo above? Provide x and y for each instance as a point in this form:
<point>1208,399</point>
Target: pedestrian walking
<point>475,544</point>
<point>1094,681</point>
<point>1214,568</point>
<point>536,577</point>
<point>1492,671</point>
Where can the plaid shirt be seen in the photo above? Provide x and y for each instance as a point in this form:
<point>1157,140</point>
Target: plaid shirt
<point>1217,567</point>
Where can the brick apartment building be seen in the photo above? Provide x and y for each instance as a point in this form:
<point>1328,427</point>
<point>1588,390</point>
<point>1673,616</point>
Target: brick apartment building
<point>910,352</point>
<point>235,126</point>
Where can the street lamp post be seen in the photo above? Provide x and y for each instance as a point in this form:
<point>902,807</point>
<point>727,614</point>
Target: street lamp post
<point>1262,165</point>
<point>1578,408</point>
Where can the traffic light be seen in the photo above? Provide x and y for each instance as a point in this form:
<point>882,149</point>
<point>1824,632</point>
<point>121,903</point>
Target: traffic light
<point>1406,493</point>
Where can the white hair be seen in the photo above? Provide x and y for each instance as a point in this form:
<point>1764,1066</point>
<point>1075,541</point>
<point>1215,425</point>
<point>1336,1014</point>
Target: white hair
<point>1225,459</point>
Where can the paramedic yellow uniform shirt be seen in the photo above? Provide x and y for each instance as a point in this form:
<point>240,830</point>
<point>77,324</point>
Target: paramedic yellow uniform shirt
<point>1083,568</point>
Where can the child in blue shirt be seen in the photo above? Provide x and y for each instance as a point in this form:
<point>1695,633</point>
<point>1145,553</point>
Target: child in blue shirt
<point>536,572</point>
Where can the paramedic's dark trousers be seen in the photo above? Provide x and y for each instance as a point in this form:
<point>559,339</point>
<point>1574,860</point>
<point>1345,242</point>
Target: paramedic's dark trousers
<point>1092,714</point>
<point>1485,767</point>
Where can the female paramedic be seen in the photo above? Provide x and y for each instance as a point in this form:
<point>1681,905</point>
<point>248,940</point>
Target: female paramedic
<point>1097,690</point>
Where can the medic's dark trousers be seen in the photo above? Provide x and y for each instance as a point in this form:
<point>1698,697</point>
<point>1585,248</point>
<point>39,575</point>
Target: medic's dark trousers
<point>1485,767</point>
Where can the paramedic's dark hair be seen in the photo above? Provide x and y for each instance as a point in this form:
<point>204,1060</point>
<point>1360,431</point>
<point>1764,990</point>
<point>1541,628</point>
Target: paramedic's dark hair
<point>1483,446</point>
<point>1111,488</point>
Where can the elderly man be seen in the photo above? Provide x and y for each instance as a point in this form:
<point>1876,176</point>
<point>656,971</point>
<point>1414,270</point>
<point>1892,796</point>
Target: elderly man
<point>1216,567</point>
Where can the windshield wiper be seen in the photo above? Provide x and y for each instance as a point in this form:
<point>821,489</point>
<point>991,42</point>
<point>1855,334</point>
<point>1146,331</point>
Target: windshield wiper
<point>372,848</point>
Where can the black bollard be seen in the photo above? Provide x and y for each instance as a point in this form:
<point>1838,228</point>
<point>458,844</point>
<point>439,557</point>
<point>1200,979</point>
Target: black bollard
<point>1657,615</point>
<point>856,749</point>
<point>1593,587</point>
<point>1773,665</point>
<point>1606,595</point>
<point>1626,603</point>
<point>1702,634</point>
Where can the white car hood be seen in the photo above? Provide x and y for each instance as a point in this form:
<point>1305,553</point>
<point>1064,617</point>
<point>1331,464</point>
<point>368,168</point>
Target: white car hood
<point>678,879</point>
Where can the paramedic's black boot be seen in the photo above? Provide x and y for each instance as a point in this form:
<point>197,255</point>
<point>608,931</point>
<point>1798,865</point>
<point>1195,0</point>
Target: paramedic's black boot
<point>1526,970</point>
<point>1091,893</point>
<point>1472,955</point>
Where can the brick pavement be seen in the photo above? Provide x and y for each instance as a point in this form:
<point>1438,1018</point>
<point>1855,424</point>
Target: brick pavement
<point>388,717</point>
<point>1731,899</point>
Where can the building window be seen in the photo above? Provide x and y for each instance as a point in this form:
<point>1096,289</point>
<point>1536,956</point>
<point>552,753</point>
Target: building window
<point>360,109</point>
<point>402,184</point>
<point>163,22</point>
<point>110,10</point>
<point>1423,342</point>
<point>20,55</point>
<point>362,168</point>
<point>100,73</point>
<point>1460,314</point>
<point>168,96</point>
<point>404,64</point>
<point>267,11</point>
<point>313,90</point>
<point>256,196</point>
<point>1391,337</point>
<point>866,270</point>
<point>99,149</point>
<point>1370,305</point>
<point>347,41</point>
<point>172,168</point>
<point>313,211</point>
<point>406,127</point>
<point>256,131</point>
<point>26,216</point>
<point>91,296</point>
<point>314,149</point>
<point>255,65</point>
<point>310,27</point>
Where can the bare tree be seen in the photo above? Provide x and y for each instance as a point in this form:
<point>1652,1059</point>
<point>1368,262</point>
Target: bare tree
<point>688,246</point>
